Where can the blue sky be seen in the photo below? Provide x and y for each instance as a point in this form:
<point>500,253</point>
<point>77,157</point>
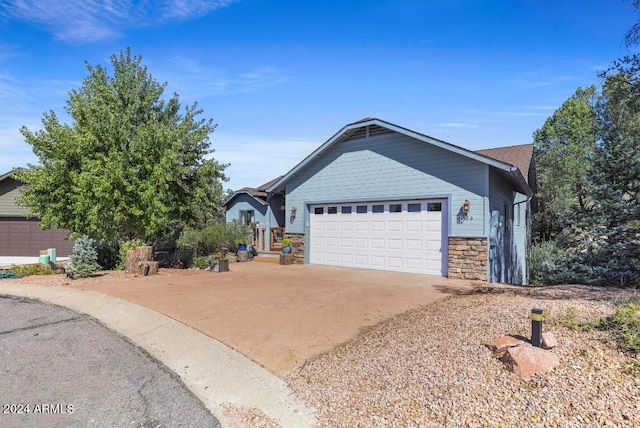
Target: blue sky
<point>281,77</point>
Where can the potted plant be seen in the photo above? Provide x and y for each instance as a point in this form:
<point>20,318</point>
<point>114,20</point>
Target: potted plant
<point>242,244</point>
<point>218,262</point>
<point>286,244</point>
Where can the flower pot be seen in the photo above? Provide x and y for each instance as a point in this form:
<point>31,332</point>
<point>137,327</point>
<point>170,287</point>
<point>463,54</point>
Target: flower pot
<point>286,250</point>
<point>220,266</point>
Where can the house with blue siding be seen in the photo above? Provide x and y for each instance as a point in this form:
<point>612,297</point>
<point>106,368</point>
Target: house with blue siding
<point>379,196</point>
<point>263,212</point>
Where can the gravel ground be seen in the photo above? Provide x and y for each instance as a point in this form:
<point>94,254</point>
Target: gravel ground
<point>428,368</point>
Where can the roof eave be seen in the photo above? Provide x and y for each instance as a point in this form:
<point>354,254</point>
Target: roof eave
<point>520,181</point>
<point>246,193</point>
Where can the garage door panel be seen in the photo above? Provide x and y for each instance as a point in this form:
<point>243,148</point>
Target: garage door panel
<point>377,226</point>
<point>346,226</point>
<point>392,239</point>
<point>360,242</point>
<point>361,259</point>
<point>346,242</point>
<point>394,226</point>
<point>331,226</point>
<point>332,258</point>
<point>414,226</point>
<point>414,263</point>
<point>395,262</point>
<point>414,244</point>
<point>376,261</point>
<point>394,244</point>
<point>376,243</point>
<point>346,259</point>
<point>23,237</point>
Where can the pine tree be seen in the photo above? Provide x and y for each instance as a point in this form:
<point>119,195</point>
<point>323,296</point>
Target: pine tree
<point>84,258</point>
<point>606,232</point>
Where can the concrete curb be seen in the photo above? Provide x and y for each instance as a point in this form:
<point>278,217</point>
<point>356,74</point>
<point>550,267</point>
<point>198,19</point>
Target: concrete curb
<point>215,373</point>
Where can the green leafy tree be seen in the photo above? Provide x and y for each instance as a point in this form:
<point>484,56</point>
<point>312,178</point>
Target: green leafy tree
<point>563,148</point>
<point>130,164</point>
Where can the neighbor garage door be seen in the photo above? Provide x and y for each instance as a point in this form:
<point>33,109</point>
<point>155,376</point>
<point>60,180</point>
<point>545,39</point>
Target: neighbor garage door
<point>401,236</point>
<point>22,237</point>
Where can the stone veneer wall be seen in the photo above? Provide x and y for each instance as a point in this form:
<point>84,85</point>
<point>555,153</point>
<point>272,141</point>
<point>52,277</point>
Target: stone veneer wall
<point>298,247</point>
<point>468,258</point>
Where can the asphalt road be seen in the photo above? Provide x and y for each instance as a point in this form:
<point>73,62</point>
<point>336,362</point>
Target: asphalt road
<point>62,369</point>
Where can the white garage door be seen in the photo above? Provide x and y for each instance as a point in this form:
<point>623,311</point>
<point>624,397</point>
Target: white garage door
<point>401,236</point>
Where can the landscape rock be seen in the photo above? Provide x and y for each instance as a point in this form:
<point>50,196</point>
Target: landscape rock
<point>549,340</point>
<point>502,343</point>
<point>525,360</point>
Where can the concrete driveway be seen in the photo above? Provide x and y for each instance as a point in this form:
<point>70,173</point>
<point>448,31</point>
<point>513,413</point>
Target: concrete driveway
<point>280,316</point>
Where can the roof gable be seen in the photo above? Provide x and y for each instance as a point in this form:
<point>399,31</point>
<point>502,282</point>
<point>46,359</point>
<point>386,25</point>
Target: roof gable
<point>258,193</point>
<point>372,126</point>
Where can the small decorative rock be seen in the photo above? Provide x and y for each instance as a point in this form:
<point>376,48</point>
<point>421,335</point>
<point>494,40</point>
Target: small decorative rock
<point>549,340</point>
<point>502,343</point>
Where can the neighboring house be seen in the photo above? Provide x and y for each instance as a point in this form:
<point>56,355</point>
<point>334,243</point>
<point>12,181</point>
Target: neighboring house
<point>22,236</point>
<point>380,196</point>
<point>264,213</point>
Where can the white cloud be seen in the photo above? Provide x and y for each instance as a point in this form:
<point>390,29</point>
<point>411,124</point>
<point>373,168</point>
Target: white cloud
<point>456,125</point>
<point>93,20</point>
<point>208,80</point>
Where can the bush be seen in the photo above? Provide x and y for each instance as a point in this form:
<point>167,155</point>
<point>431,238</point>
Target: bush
<point>84,258</point>
<point>108,254</point>
<point>126,246</point>
<point>214,237</point>
<point>626,322</point>
<point>201,262</point>
<point>28,270</point>
<point>548,263</point>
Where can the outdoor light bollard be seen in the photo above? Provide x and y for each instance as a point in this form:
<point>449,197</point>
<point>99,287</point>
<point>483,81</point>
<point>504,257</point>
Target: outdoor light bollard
<point>536,327</point>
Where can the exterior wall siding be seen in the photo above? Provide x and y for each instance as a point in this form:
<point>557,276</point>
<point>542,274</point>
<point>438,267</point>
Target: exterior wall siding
<point>391,166</point>
<point>9,192</point>
<point>263,214</point>
<point>514,266</point>
<point>521,238</point>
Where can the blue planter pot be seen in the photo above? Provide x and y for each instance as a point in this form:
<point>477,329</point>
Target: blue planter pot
<point>286,250</point>
<point>242,247</point>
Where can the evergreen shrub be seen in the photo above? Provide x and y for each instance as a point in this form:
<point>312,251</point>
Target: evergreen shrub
<point>84,257</point>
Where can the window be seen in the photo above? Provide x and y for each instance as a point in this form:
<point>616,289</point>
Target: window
<point>395,208</point>
<point>414,208</point>
<point>434,206</point>
<point>318,210</point>
<point>247,217</point>
<point>377,208</point>
<point>332,210</point>
<point>518,214</point>
<point>345,210</point>
<point>361,209</point>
